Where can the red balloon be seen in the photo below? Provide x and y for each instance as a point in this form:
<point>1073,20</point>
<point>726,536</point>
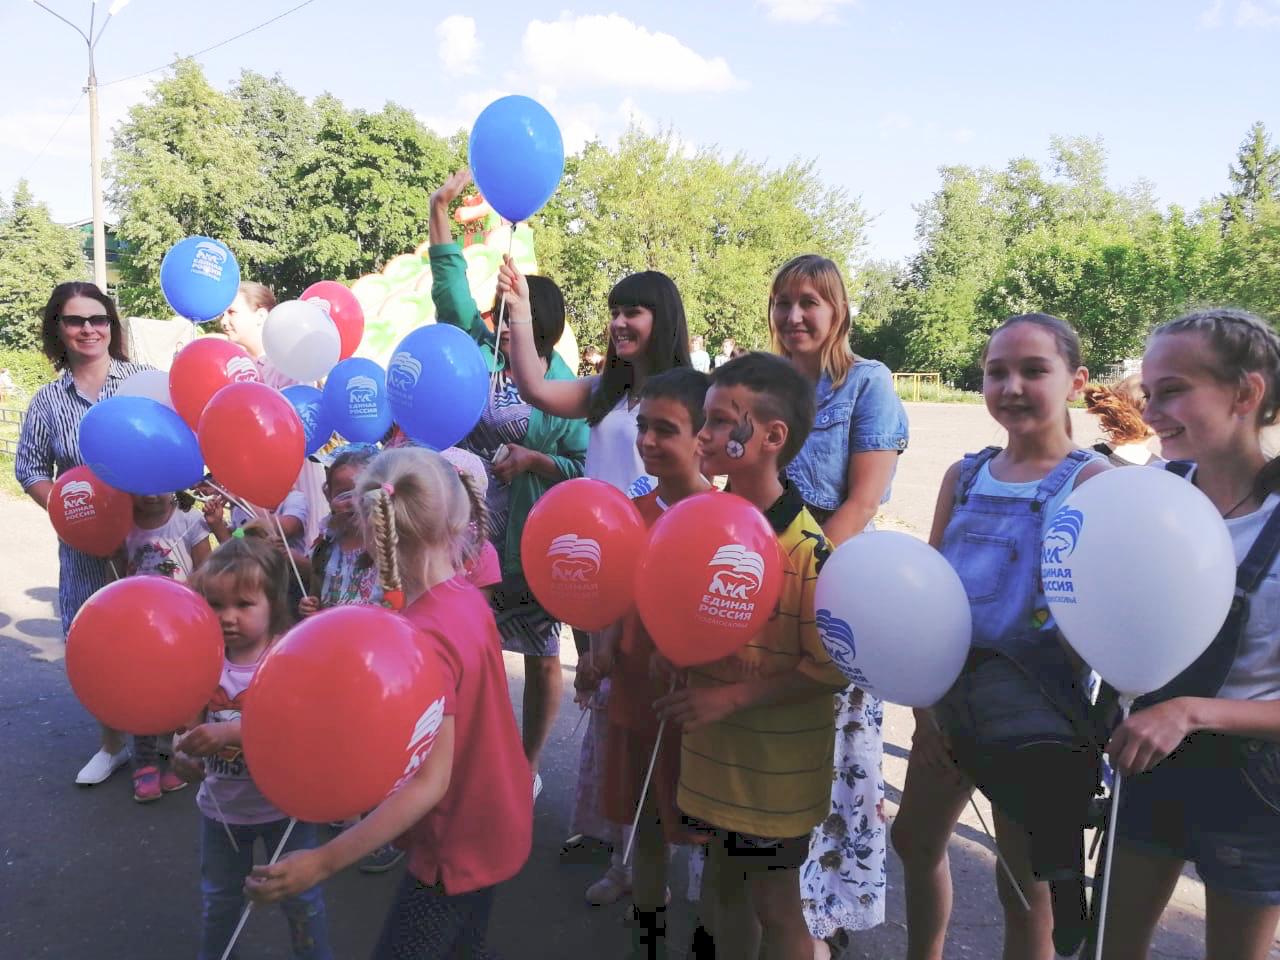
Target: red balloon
<point>89,515</point>
<point>202,368</point>
<point>579,550</point>
<point>709,579</point>
<point>344,708</point>
<point>253,442</point>
<point>144,655</point>
<point>343,309</point>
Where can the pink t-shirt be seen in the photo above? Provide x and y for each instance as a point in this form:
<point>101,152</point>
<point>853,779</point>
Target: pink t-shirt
<point>481,831</point>
<point>226,775</point>
<point>486,571</point>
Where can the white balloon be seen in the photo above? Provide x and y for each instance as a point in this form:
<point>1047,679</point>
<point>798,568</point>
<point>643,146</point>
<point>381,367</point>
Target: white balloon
<point>1139,573</point>
<point>300,340</point>
<point>152,384</point>
<point>894,617</point>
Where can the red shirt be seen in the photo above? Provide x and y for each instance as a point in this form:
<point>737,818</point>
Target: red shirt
<point>481,831</point>
<point>631,689</point>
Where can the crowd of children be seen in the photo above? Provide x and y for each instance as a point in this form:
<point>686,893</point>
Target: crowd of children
<point>758,770</point>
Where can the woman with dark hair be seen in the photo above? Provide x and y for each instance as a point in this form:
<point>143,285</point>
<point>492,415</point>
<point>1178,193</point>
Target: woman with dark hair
<point>647,335</point>
<point>83,339</point>
<point>525,452</point>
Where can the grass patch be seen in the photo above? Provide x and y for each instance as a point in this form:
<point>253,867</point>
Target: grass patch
<point>935,393</point>
<point>9,486</point>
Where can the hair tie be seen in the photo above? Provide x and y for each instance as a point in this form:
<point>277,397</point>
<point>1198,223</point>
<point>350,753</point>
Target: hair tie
<point>389,490</point>
<point>238,533</point>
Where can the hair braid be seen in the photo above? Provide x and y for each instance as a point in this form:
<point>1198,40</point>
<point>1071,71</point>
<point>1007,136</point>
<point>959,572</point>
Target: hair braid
<point>386,543</point>
<point>479,514</point>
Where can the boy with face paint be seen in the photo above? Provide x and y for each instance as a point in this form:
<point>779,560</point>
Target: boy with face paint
<point>742,759</point>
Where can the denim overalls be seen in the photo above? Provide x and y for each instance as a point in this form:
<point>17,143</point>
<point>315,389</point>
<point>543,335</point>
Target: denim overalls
<point>1018,716</point>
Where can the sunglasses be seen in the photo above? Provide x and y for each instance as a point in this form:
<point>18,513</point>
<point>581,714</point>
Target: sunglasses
<point>100,322</point>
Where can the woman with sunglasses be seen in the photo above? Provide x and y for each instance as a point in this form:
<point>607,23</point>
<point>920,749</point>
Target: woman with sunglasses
<point>83,339</point>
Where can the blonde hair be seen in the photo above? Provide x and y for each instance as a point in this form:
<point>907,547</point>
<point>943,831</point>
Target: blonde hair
<point>411,501</point>
<point>837,356</point>
<point>253,562</point>
<point>1119,410</point>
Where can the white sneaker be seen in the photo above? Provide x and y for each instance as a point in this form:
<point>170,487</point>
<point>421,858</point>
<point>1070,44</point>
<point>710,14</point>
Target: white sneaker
<point>612,887</point>
<point>537,786</point>
<point>101,766</point>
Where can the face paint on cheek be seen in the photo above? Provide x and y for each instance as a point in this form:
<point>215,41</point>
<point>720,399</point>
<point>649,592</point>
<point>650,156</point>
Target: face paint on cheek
<point>739,437</point>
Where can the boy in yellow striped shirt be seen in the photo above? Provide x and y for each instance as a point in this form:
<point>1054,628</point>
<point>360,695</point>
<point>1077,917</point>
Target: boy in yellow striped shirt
<point>759,727</point>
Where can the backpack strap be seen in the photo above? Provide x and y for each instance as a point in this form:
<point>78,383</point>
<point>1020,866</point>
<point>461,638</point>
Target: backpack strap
<point>969,467</point>
<point>1260,556</point>
<point>1103,448</point>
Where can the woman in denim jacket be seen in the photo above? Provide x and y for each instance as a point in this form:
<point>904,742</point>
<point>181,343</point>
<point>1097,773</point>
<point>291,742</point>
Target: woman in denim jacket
<point>843,472</point>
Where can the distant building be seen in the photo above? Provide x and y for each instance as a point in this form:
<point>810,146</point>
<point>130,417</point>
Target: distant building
<point>113,248</point>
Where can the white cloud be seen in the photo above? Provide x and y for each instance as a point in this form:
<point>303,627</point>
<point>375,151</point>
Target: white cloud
<point>1212,16</point>
<point>459,46</point>
<point>1258,13</point>
<point>611,51</point>
<point>803,11</point>
<point>463,110</point>
<point>632,115</point>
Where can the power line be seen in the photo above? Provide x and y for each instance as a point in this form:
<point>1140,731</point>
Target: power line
<point>221,43</point>
<point>52,138</point>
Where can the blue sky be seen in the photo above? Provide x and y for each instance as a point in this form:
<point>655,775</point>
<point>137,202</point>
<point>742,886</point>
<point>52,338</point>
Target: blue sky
<point>880,94</point>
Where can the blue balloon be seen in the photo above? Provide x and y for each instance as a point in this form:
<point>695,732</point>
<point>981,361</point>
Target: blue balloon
<point>438,383</point>
<point>517,156</point>
<point>200,278</point>
<point>355,400</point>
<point>308,402</point>
<point>139,445</point>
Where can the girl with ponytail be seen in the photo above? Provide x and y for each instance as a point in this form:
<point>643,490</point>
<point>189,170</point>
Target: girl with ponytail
<point>466,815</point>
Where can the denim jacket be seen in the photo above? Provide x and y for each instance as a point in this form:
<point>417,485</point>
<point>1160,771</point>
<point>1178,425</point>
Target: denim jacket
<point>862,414</point>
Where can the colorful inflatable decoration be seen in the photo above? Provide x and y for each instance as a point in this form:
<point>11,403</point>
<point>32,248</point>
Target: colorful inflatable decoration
<point>397,300</point>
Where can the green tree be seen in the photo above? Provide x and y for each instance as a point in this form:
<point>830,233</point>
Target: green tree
<point>183,165</point>
<point>36,254</point>
<point>1255,177</point>
<point>363,190</point>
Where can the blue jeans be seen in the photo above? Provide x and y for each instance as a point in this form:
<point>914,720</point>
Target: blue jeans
<point>222,875</point>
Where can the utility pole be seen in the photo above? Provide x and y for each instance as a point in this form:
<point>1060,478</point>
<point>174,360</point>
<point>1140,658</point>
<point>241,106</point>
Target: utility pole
<point>95,157</point>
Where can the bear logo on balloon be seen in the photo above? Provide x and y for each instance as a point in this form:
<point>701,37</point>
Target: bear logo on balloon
<point>403,372</point>
<point>422,739</point>
<point>208,260</point>
<point>1059,544</point>
<point>837,637</point>
<point>574,559</point>
<point>362,396</point>
<point>242,370</point>
<point>77,501</point>
<point>729,595</point>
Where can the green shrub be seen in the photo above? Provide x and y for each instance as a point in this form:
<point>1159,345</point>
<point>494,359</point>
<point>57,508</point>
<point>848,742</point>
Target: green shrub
<point>30,371</point>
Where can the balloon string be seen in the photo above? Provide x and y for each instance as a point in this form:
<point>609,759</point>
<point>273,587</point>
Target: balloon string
<point>289,553</point>
<point>222,818</point>
<point>644,790</point>
<point>249,906</point>
<point>114,572</point>
<point>582,715</point>
<point>1004,864</point>
<point>497,327</point>
<point>1112,816</point>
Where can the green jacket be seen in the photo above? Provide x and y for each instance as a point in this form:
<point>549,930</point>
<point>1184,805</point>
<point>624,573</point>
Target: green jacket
<point>564,441</point>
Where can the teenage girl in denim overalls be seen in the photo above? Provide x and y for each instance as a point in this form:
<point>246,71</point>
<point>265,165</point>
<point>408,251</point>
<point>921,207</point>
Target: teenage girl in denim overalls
<point>1201,756</point>
<point>1021,686</point>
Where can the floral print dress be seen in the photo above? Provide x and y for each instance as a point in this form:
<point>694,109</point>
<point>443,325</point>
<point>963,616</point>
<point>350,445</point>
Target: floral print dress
<point>842,884</point>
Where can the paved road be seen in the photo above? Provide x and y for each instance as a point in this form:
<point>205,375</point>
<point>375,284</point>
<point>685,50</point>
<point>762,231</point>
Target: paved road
<point>87,874</point>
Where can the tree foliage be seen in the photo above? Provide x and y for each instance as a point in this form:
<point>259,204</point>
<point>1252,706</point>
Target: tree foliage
<point>36,254</point>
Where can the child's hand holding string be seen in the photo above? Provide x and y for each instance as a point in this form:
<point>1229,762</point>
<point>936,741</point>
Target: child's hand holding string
<point>189,769</point>
<point>1150,735</point>
<point>208,738</point>
<point>695,707</point>
<point>308,606</point>
<point>515,289</point>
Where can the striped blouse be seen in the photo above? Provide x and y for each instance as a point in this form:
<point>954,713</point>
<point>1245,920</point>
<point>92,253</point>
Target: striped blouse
<point>50,445</point>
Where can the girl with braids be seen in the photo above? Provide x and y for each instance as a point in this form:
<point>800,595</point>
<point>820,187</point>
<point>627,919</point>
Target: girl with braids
<point>466,814</point>
<point>1119,412</point>
<point>1203,752</point>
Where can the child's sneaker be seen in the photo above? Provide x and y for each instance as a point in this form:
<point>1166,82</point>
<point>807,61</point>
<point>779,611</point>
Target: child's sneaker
<point>382,859</point>
<point>612,887</point>
<point>146,784</point>
<point>170,782</point>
